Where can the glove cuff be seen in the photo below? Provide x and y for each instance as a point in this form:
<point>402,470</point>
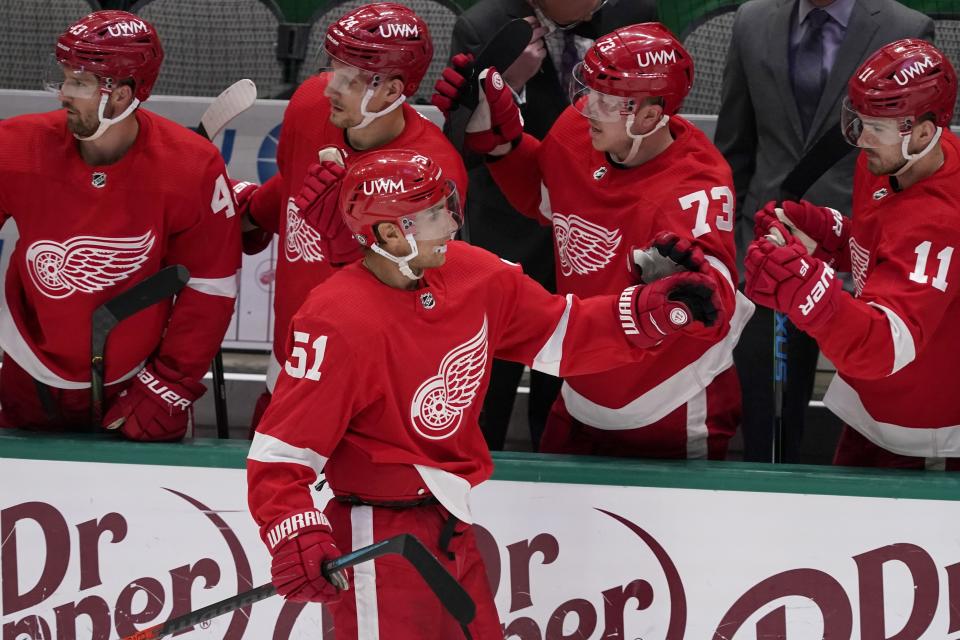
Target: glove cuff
<point>293,525</point>
<point>168,388</point>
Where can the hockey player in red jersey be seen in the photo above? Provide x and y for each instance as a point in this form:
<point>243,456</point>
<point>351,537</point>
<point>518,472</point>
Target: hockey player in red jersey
<point>104,194</point>
<point>893,341</point>
<point>378,54</point>
<point>387,365</point>
<point>618,168</point>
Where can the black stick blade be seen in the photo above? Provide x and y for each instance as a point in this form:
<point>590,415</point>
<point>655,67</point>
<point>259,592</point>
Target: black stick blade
<point>501,51</point>
<point>826,152</point>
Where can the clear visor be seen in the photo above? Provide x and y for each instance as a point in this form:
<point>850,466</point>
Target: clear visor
<point>344,77</point>
<point>595,105</point>
<point>868,132</point>
<point>70,82</point>
<point>441,220</point>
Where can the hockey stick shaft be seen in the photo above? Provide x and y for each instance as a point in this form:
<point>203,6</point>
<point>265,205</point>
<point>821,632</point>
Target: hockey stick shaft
<point>405,545</point>
<point>823,155</point>
<point>146,293</point>
<point>231,102</point>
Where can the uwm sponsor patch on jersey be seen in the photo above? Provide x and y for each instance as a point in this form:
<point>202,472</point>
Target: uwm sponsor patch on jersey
<point>85,264</point>
<point>583,246</point>
<point>438,404</point>
<point>301,242</point>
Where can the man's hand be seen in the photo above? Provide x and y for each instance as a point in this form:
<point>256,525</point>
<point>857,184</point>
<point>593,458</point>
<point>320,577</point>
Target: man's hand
<point>300,543</point>
<point>784,277</point>
<point>530,61</point>
<point>319,206</point>
<point>156,407</point>
<point>822,231</point>
<point>680,302</point>
<point>496,123</point>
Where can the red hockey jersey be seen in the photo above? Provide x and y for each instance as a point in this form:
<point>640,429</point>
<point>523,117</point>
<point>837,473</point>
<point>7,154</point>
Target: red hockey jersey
<point>302,263</point>
<point>379,381</point>
<point>87,233</point>
<point>895,344</point>
<point>600,211</point>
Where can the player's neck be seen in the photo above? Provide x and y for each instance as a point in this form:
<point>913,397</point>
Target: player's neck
<point>112,145</point>
<point>923,168</point>
<point>381,131</point>
<point>387,272</point>
<point>650,148</point>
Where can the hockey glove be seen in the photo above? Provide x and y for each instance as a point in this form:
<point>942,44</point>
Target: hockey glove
<point>679,302</point>
<point>668,254</point>
<point>300,544</point>
<point>448,88</point>
<point>255,239</point>
<point>318,205</point>
<point>784,277</point>
<point>156,407</point>
<point>495,125</point>
<point>823,231</point>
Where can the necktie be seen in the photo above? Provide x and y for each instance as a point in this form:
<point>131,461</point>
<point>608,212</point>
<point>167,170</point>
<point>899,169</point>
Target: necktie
<point>568,59</point>
<point>808,74</point>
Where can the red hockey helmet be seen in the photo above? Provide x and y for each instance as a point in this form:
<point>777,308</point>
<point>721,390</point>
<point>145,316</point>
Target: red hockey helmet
<point>402,187</point>
<point>905,79</point>
<point>114,46</point>
<point>633,63</point>
<point>386,38</point>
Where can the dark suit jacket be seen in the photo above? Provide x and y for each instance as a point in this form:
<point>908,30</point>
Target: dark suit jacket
<point>759,130</point>
<point>491,222</point>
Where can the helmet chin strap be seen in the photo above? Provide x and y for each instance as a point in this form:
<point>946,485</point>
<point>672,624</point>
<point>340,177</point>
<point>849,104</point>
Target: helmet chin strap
<point>106,123</point>
<point>403,263</point>
<point>638,138</point>
<point>912,159</point>
<point>370,116</point>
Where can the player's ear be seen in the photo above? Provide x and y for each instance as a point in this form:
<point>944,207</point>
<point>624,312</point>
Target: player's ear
<point>388,235</point>
<point>393,89</point>
<point>923,132</point>
<point>122,96</point>
<point>648,116</point>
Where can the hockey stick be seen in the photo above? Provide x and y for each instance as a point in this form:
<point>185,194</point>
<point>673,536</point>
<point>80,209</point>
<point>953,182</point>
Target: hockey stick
<point>146,293</point>
<point>501,51</point>
<point>453,596</point>
<point>825,153</point>
<point>231,102</point>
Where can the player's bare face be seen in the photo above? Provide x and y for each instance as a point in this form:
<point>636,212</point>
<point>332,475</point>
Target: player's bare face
<point>346,89</point>
<point>432,254</point>
<point>609,137</point>
<point>884,160</point>
<point>80,96</point>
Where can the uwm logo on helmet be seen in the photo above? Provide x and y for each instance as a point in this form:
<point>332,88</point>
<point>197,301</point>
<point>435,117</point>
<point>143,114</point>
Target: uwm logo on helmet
<point>128,28</point>
<point>663,56</point>
<point>905,75</point>
<point>382,186</point>
<point>392,30</point>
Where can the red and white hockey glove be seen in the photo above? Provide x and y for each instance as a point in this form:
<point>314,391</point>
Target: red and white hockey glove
<point>254,238</point>
<point>496,123</point>
<point>679,302</point>
<point>784,277</point>
<point>300,543</point>
<point>156,407</point>
<point>668,254</point>
<point>318,205</point>
<point>823,231</point>
<point>448,88</point>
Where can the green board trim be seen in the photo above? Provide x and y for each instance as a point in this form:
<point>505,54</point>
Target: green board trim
<point>530,467</point>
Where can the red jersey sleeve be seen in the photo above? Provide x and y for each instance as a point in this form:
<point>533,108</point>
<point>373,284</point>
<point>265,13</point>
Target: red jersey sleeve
<point>320,385</point>
<point>208,245</point>
<point>907,291</point>
<point>519,177</point>
<point>563,335</point>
